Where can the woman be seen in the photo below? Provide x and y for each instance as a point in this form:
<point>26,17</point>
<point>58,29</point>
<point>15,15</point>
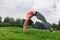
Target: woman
<point>39,16</point>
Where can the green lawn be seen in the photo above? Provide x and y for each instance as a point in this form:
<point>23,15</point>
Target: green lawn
<point>16,33</point>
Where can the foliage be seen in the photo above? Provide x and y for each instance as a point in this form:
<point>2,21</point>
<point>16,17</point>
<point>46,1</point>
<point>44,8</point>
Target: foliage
<point>54,26</point>
<point>39,25</point>
<point>9,21</point>
<point>58,26</point>
<point>0,19</point>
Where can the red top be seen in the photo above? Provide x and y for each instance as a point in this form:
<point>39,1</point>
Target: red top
<point>31,13</point>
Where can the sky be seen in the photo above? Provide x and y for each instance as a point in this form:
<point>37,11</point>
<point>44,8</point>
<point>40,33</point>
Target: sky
<point>19,8</point>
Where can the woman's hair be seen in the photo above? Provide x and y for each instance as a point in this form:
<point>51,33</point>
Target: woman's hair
<point>30,22</point>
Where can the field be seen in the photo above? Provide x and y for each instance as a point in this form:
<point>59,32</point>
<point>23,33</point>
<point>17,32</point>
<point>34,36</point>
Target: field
<point>16,33</point>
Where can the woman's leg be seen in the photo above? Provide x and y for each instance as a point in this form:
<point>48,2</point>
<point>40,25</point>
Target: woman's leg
<point>41,17</point>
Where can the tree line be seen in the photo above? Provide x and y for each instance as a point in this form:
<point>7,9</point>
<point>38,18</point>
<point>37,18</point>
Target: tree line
<point>8,21</point>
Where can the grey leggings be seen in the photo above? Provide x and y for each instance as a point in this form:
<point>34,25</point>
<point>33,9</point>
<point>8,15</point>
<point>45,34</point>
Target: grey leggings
<point>41,17</point>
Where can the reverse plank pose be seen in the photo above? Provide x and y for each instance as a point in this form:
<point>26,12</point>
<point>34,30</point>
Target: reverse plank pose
<point>39,16</point>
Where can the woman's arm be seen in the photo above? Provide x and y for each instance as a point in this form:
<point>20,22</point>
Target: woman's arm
<point>25,24</point>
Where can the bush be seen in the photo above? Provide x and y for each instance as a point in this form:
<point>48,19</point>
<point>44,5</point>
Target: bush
<point>4,24</point>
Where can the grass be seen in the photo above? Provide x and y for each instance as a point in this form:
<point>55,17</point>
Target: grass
<point>16,33</point>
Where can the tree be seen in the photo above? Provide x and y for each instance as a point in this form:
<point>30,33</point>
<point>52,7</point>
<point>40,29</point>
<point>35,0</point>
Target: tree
<point>18,22</point>
<point>54,26</point>
<point>23,20</point>
<point>39,25</point>
<point>12,21</point>
<point>58,26</point>
<point>6,20</point>
<point>0,19</point>
<point>9,20</point>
